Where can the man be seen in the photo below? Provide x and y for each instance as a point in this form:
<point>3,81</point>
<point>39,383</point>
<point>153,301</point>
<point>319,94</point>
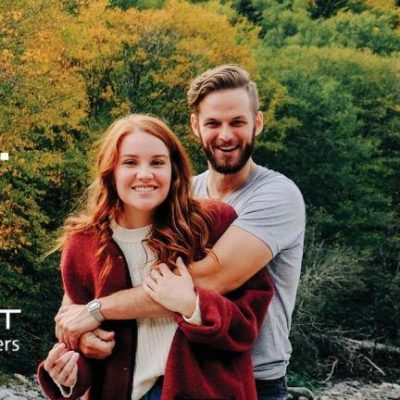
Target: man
<point>269,230</point>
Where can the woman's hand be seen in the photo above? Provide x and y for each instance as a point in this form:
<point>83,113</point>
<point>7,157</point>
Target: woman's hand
<point>174,292</point>
<point>61,364</point>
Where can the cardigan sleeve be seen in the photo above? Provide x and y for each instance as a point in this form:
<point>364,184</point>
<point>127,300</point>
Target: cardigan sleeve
<point>83,382</point>
<point>75,259</point>
<point>231,323</point>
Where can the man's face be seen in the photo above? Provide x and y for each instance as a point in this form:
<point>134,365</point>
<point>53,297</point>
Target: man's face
<point>227,128</point>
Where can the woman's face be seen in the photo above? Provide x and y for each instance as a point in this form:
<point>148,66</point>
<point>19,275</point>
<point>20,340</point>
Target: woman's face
<point>142,177</point>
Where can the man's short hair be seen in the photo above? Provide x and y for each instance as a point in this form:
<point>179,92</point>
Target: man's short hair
<point>220,78</point>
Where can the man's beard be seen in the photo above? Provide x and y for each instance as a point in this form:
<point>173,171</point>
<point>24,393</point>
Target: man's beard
<point>228,168</point>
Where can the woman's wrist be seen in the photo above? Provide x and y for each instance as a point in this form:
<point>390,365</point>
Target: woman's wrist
<point>189,306</point>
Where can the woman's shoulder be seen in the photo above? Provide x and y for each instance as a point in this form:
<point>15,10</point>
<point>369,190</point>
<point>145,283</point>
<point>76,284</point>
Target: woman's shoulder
<point>222,215</point>
<point>81,240</point>
<point>219,209</point>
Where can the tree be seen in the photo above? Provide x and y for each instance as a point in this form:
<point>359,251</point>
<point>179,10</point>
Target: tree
<point>67,70</point>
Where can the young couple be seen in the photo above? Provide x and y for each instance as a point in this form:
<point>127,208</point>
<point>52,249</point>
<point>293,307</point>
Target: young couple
<point>167,333</point>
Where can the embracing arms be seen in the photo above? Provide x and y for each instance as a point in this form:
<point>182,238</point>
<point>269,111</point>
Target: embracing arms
<point>223,276</point>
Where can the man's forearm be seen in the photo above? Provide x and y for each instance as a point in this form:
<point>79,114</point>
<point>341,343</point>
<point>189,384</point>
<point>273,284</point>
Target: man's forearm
<point>131,304</point>
<point>230,264</point>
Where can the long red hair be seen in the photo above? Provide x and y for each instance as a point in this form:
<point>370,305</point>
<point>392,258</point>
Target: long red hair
<point>181,225</point>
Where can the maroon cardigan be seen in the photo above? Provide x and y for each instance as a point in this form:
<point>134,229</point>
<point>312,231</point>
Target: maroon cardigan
<point>211,361</point>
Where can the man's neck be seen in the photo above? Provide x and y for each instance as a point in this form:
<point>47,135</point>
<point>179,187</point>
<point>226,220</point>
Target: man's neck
<point>220,186</point>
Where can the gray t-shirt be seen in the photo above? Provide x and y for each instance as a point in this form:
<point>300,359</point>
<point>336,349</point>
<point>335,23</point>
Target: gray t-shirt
<point>271,207</point>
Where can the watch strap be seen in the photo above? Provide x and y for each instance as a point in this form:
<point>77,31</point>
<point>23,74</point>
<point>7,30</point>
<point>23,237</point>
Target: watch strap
<point>94,309</point>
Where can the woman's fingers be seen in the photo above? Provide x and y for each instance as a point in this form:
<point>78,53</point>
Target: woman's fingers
<point>54,354</point>
<point>67,373</point>
<point>60,364</point>
<point>71,380</point>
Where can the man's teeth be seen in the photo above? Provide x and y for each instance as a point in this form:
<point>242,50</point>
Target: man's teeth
<point>144,188</point>
<point>227,148</point>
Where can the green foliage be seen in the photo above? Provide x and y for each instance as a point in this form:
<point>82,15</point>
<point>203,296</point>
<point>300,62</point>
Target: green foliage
<point>328,8</point>
<point>66,73</point>
<point>331,114</point>
<point>335,136</point>
<point>351,24</point>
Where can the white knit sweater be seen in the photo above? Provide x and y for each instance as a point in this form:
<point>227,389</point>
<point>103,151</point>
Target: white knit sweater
<point>154,334</point>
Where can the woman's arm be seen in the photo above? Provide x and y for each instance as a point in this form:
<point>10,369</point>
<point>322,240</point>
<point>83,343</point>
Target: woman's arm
<point>68,370</point>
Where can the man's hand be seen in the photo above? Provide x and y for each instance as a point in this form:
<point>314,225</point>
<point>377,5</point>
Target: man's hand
<point>71,322</point>
<point>98,344</point>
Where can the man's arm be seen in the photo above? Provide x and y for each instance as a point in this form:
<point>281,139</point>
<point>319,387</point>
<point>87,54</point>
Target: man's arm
<point>239,253</point>
<point>238,256</point>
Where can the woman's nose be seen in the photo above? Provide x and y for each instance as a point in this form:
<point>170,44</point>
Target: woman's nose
<point>144,172</point>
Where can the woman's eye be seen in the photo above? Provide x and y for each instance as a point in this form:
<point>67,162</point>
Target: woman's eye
<point>129,162</point>
<point>158,163</point>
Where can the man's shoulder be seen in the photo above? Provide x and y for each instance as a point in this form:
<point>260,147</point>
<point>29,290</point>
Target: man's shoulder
<point>200,177</point>
<point>267,181</point>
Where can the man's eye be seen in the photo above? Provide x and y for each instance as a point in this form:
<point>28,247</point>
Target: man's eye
<point>238,123</point>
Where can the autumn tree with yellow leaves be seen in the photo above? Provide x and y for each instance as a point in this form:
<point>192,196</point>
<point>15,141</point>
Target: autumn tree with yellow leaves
<point>67,69</point>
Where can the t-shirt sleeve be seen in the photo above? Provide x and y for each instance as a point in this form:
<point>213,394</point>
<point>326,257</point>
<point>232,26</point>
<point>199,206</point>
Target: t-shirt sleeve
<point>275,213</point>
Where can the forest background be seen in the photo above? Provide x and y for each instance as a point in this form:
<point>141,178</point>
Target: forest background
<point>328,77</point>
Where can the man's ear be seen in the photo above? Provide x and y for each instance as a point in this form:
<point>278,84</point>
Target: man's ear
<point>259,122</point>
<point>194,122</point>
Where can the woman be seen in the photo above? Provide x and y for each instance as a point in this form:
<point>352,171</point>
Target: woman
<point>138,214</point>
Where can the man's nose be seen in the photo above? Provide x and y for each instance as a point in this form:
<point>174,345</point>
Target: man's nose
<point>225,133</point>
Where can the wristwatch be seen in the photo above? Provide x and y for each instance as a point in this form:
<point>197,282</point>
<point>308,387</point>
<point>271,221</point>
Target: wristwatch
<point>94,308</point>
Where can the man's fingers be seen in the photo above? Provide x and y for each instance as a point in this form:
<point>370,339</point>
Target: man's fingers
<point>94,347</point>
<point>74,340</point>
<point>104,335</point>
<point>62,309</point>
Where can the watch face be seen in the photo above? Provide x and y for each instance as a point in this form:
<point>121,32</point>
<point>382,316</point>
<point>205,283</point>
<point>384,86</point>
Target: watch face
<point>93,305</point>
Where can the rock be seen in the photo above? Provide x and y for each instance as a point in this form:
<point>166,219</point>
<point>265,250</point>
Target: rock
<point>357,390</point>
<point>21,379</point>
<point>297,392</point>
<point>21,388</point>
<point>6,394</point>
<point>354,384</point>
